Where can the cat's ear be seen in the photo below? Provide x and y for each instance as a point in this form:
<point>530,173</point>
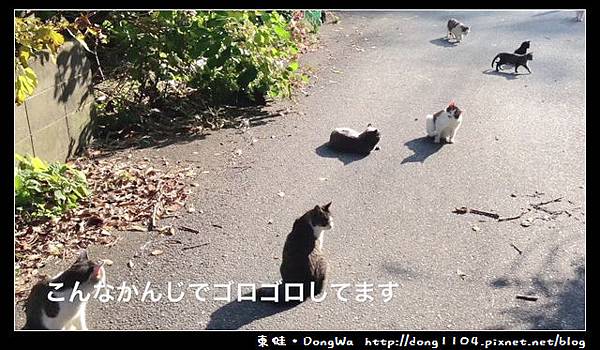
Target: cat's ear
<point>326,207</point>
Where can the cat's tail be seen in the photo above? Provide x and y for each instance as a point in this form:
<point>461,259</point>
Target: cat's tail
<point>430,125</point>
<point>498,55</point>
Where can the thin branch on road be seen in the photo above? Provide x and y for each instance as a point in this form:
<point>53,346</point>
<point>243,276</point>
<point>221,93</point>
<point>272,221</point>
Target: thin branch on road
<point>195,246</point>
<point>517,249</point>
<point>513,217</point>
<point>527,297</point>
<point>464,210</point>
<point>538,205</point>
<point>185,228</point>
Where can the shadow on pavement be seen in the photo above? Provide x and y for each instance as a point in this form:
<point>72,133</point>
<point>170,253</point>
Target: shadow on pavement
<point>422,147</point>
<point>444,42</point>
<point>237,314</point>
<point>561,303</point>
<point>507,75</point>
<point>346,158</point>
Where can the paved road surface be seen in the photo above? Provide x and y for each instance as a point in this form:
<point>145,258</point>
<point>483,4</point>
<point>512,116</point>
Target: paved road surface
<point>392,209</point>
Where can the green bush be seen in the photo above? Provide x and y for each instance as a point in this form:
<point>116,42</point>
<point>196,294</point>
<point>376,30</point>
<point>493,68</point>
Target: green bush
<point>229,55</point>
<point>45,191</point>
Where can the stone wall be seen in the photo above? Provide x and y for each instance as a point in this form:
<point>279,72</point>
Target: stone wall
<point>54,123</point>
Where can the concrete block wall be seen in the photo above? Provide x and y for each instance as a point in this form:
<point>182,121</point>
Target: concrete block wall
<point>54,123</point>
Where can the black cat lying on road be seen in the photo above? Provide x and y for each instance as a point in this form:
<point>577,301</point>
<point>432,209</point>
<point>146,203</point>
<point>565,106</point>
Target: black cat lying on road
<point>350,141</point>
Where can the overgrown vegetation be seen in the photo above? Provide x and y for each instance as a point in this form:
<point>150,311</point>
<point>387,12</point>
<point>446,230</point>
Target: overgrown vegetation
<point>226,55</point>
<point>44,191</point>
<point>170,70</point>
<point>230,56</point>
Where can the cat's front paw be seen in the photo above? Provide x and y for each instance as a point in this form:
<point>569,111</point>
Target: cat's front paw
<point>450,140</point>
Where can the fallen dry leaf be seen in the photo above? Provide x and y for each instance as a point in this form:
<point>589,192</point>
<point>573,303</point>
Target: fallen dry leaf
<point>167,230</point>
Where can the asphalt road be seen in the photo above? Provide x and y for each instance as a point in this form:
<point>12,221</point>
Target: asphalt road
<point>393,209</point>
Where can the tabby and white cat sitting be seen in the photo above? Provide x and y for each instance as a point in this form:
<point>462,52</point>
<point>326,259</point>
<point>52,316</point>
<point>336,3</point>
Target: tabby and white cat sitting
<point>303,260</point>
<point>45,314</point>
<point>444,124</point>
<point>457,30</point>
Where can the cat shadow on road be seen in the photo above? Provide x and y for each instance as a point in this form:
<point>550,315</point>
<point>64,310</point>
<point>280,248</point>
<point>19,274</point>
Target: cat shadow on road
<point>444,42</point>
<point>237,314</point>
<point>508,75</point>
<point>423,148</point>
<point>325,151</point>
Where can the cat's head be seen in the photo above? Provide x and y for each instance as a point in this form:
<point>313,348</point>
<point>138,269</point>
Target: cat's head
<point>453,111</point>
<point>371,135</point>
<point>526,44</point>
<point>465,29</point>
<point>87,272</point>
<point>321,217</point>
<point>83,270</point>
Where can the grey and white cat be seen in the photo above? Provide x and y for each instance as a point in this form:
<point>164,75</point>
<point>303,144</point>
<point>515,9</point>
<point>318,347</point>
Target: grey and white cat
<point>457,30</point>
<point>444,124</point>
<point>303,260</point>
<point>45,314</point>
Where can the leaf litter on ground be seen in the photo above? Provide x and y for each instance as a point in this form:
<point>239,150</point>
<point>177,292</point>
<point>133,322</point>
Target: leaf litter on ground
<point>126,196</point>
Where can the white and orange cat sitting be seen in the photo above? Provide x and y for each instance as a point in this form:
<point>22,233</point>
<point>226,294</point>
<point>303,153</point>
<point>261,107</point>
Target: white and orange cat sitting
<point>444,124</point>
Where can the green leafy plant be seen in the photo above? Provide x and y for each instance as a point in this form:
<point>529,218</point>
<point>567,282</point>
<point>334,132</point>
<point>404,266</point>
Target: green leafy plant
<point>47,190</point>
<point>34,36</point>
<point>228,55</point>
